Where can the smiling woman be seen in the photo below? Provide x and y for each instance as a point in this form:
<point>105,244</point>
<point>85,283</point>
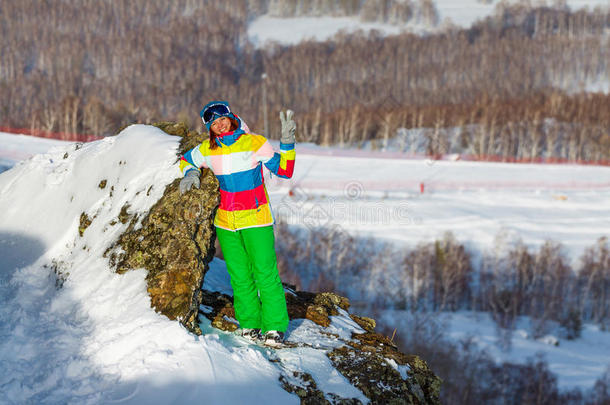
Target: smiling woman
<point>221,126</point>
<point>244,221</point>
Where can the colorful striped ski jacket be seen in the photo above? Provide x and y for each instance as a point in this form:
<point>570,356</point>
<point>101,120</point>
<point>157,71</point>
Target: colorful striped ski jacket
<point>238,164</point>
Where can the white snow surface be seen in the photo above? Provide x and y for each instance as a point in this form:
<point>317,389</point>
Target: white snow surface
<point>462,13</point>
<point>378,194</point>
<point>290,31</point>
<point>72,331</point>
<point>97,340</point>
<point>577,363</point>
<point>14,148</point>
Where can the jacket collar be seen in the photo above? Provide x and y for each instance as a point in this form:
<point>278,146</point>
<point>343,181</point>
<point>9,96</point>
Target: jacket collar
<point>229,138</point>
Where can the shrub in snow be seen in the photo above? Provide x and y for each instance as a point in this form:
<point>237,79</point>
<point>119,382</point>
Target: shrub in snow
<point>571,324</point>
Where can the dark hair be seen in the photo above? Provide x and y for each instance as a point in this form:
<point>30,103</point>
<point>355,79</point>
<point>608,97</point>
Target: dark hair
<point>213,144</point>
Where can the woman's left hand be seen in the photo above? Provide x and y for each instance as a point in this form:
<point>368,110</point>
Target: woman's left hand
<point>289,127</point>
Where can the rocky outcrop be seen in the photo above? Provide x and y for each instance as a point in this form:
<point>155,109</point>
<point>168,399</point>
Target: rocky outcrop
<point>369,360</point>
<point>175,243</point>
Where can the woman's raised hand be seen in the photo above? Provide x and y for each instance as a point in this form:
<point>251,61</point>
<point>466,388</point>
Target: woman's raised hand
<point>289,127</point>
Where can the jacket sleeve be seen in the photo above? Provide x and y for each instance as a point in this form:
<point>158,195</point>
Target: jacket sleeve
<point>192,160</point>
<point>281,164</point>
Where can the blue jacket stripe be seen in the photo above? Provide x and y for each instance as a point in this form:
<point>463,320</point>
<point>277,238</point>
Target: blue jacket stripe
<point>273,164</point>
<point>241,181</point>
<point>188,156</point>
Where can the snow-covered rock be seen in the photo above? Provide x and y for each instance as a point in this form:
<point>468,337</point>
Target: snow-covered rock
<point>73,330</point>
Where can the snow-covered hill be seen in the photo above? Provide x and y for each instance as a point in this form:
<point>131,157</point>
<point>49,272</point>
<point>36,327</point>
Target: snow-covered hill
<point>73,331</point>
<point>462,13</point>
<point>95,350</point>
<point>576,363</point>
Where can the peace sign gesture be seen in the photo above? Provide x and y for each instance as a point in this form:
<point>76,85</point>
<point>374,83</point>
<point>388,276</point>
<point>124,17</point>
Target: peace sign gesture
<point>289,127</point>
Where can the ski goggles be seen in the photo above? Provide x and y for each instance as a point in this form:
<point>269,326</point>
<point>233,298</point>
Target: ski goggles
<point>215,110</point>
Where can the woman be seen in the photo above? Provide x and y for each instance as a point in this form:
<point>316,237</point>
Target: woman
<point>244,221</point>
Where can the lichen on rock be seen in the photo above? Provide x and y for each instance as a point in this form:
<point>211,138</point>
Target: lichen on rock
<point>190,138</point>
<point>304,386</point>
<point>368,324</point>
<point>363,359</point>
<point>124,215</point>
<point>84,223</point>
<point>174,243</point>
<point>221,311</point>
<point>364,362</point>
<point>331,301</point>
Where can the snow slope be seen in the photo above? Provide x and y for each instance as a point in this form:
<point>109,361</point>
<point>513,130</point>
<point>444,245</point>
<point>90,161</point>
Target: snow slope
<point>14,148</point>
<point>92,350</point>
<point>377,194</point>
<point>72,331</point>
<point>463,13</point>
<point>291,31</point>
<point>577,363</point>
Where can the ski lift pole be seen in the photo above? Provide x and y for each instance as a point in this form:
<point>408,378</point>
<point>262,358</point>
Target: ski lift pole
<point>265,121</point>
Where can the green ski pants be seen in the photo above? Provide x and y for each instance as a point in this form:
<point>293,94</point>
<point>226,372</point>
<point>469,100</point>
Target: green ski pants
<point>257,290</point>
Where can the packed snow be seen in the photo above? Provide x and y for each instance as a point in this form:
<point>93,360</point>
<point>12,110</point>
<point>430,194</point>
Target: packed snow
<point>14,148</point>
<point>379,194</point>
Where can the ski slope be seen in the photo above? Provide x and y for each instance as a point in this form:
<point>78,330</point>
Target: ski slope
<point>369,194</point>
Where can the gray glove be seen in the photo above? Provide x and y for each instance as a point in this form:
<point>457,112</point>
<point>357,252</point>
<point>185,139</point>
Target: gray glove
<point>289,127</point>
<point>191,179</point>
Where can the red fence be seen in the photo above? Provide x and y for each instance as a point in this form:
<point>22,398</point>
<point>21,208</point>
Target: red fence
<point>63,136</point>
